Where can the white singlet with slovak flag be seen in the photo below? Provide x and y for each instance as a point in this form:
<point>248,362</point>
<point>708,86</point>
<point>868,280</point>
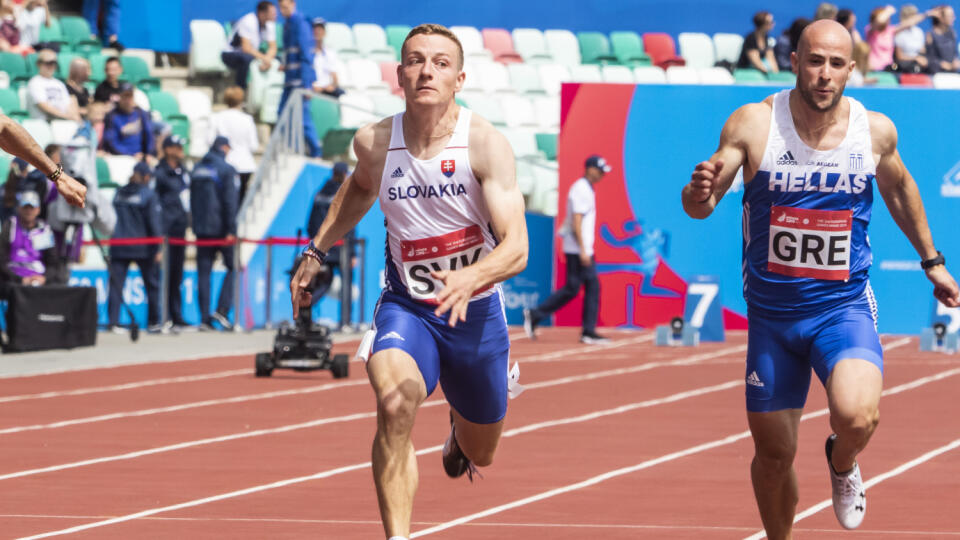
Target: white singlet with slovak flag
<point>435,214</point>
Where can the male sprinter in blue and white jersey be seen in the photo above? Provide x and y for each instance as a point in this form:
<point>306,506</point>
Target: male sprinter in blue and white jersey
<point>455,229</point>
<point>811,157</point>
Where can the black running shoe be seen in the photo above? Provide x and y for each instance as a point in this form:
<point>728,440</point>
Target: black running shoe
<point>455,463</point>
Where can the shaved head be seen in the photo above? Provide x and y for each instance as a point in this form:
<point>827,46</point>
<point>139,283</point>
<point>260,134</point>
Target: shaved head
<point>826,34</point>
<point>823,62</point>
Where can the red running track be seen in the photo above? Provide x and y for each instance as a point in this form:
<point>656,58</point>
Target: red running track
<point>626,440</point>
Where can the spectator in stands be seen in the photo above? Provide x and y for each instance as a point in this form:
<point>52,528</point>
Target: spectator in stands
<point>849,21</point>
<point>757,52</point>
<point>35,13</point>
<point>27,254</point>
<point>321,206</point>
<point>109,90</point>
<point>249,33</point>
<point>298,66</point>
<point>172,181</point>
<point>47,97</point>
<point>860,76</point>
<point>910,50</point>
<point>825,10</point>
<point>787,43</point>
<point>213,206</point>
<point>325,62</point>
<point>127,128</point>
<point>109,11</point>
<point>881,33</point>
<point>10,39</point>
<point>138,216</point>
<point>942,41</point>
<point>76,84</point>
<point>239,126</point>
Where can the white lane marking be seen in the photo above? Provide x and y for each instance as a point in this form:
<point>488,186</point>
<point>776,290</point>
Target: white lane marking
<point>310,424</point>
<point>650,463</point>
<point>127,386</point>
<point>896,471</point>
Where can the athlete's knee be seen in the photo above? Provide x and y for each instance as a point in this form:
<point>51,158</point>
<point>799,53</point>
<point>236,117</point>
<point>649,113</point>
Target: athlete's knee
<point>775,457</point>
<point>397,410</point>
<point>857,423</point>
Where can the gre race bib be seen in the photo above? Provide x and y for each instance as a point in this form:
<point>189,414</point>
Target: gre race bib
<point>810,243</point>
<point>451,251</point>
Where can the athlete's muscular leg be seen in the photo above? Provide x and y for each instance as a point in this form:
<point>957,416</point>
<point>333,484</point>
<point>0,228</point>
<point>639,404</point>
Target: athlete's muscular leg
<point>400,390</point>
<point>774,480</point>
<point>477,441</point>
<point>853,392</point>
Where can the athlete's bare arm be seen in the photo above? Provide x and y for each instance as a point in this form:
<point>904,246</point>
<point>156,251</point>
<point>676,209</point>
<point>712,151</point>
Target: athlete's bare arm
<point>493,164</point>
<point>742,142</point>
<point>902,197</point>
<point>15,140</point>
<point>350,204</point>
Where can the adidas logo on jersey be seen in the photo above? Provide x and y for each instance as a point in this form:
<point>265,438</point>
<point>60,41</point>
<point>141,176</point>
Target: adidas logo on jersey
<point>754,380</point>
<point>391,335</point>
<point>397,173</point>
<point>787,159</point>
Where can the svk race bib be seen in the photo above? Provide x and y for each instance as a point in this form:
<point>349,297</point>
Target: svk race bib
<point>810,243</point>
<point>451,251</point>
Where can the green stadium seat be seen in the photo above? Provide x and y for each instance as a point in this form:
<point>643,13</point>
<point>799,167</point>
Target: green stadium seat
<point>88,49</point>
<point>884,78</point>
<point>63,64</point>
<point>103,172</point>
<point>697,49</point>
<point>98,63</point>
<point>5,160</point>
<point>14,65</point>
<point>396,33</point>
<point>52,33</point>
<point>595,48</point>
<point>164,103</point>
<point>180,125</point>
<point>337,142</point>
<point>741,76</point>
<point>547,143</point>
<point>30,62</point>
<point>783,77</point>
<point>325,114</point>
<point>279,36</point>
<point>75,29</point>
<point>135,70</point>
<point>628,48</point>
<point>9,102</point>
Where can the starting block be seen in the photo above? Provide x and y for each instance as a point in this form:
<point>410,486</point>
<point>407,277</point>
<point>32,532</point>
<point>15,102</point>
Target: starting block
<point>676,334</point>
<point>937,339</point>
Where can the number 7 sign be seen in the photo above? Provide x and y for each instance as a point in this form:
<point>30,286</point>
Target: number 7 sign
<point>702,307</point>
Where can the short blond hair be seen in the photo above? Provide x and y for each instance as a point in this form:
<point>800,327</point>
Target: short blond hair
<point>437,29</point>
<point>233,96</point>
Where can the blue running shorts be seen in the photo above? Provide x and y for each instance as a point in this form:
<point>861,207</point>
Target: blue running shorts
<point>469,360</point>
<point>780,352</point>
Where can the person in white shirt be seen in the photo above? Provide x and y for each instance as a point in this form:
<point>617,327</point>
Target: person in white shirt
<point>910,54</point>
<point>47,97</point>
<point>325,62</point>
<point>35,14</point>
<point>578,235</point>
<point>243,45</point>
<point>240,128</point>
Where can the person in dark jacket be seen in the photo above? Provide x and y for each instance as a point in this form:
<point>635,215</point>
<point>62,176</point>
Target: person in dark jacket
<point>127,128</point>
<point>138,215</point>
<point>214,186</point>
<point>321,206</point>
<point>27,254</point>
<point>298,65</point>
<point>172,182</point>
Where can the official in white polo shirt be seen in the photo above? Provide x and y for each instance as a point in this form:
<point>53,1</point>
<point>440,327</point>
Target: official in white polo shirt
<point>578,235</point>
<point>243,45</point>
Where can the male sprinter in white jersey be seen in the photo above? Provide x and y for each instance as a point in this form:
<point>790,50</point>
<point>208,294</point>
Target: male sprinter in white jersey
<point>809,158</point>
<point>455,230</point>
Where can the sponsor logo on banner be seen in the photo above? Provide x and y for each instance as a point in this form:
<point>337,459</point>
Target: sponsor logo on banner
<point>451,251</point>
<point>810,243</point>
<point>951,182</point>
<point>448,167</point>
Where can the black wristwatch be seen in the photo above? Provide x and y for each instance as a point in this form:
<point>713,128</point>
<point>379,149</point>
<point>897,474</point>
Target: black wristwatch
<point>930,263</point>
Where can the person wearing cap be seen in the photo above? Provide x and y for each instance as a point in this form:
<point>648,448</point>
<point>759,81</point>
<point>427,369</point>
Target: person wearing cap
<point>298,66</point>
<point>244,43</point>
<point>27,254</point>
<point>325,62</point>
<point>239,127</point>
<point>578,232</point>
<point>47,96</point>
<point>321,206</point>
<point>138,216</point>
<point>127,128</point>
<point>172,182</point>
<point>213,206</point>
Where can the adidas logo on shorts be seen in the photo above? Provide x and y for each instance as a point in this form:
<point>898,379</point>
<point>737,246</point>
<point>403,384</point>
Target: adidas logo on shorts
<point>391,335</point>
<point>787,159</point>
<point>754,380</point>
<point>397,173</point>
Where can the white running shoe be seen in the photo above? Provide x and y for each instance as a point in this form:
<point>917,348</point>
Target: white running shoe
<point>849,496</point>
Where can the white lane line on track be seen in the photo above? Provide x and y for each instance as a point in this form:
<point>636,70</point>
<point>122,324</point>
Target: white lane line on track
<point>652,462</point>
<point>311,424</point>
<point>341,470</point>
<point>588,349</point>
<point>127,386</point>
<point>896,471</point>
